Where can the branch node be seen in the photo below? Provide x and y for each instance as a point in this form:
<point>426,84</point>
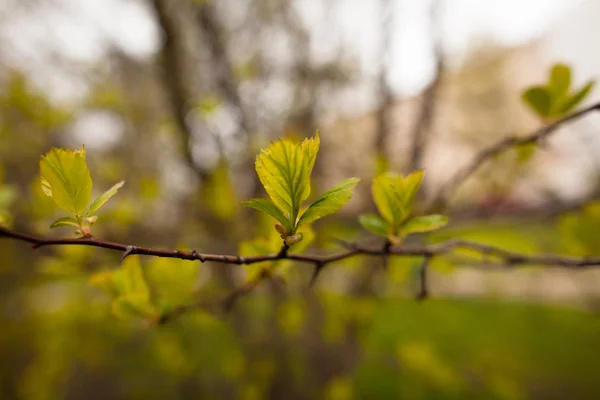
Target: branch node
<point>283,252</point>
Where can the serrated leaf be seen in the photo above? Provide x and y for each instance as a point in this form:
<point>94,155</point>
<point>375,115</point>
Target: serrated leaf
<point>329,202</point>
<point>425,223</point>
<point>560,80</point>
<point>387,197</point>
<point>539,100</point>
<point>270,208</point>
<point>284,170</point>
<point>65,221</point>
<point>577,98</point>
<point>66,179</point>
<point>375,224</point>
<point>104,197</point>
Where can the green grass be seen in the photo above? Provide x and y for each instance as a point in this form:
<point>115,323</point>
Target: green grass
<point>479,349</point>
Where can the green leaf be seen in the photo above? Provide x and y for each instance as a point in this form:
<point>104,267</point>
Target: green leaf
<point>387,197</point>
<point>173,281</point>
<point>132,305</point>
<point>329,202</point>
<point>425,223</point>
<point>65,221</point>
<point>525,152</point>
<point>104,281</point>
<point>284,170</point>
<point>409,188</point>
<point>127,287</point>
<point>270,208</point>
<point>375,224</point>
<point>66,179</point>
<point>560,81</point>
<point>104,197</point>
<point>577,98</point>
<point>539,99</point>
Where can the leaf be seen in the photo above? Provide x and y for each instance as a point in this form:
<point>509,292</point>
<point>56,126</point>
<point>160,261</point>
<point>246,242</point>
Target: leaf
<point>539,99</point>
<point>173,281</point>
<point>375,224</point>
<point>270,208</point>
<point>284,170</point>
<point>104,281</point>
<point>104,197</point>
<point>525,152</point>
<point>577,98</point>
<point>409,188</point>
<point>65,221</point>
<point>132,305</point>
<point>329,202</point>
<point>387,197</point>
<point>66,179</point>
<point>560,81</point>
<point>425,223</point>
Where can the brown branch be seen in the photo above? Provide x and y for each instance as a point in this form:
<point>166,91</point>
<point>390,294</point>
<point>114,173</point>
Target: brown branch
<point>425,120</point>
<point>498,148</point>
<point>505,258</point>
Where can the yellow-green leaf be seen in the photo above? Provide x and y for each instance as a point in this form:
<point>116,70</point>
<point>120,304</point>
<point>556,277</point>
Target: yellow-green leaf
<point>425,223</point>
<point>65,221</point>
<point>539,99</point>
<point>132,305</point>
<point>560,80</point>
<point>284,170</point>
<point>375,224</point>
<point>577,98</point>
<point>387,197</point>
<point>66,179</point>
<point>330,201</point>
<point>409,186</point>
<point>270,208</point>
<point>104,197</point>
<point>104,281</point>
<point>172,280</point>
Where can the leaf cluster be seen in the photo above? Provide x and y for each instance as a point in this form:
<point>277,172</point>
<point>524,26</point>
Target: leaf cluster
<point>555,99</point>
<point>394,196</point>
<point>66,179</point>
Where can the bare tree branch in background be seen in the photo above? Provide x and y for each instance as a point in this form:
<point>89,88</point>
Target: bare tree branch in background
<point>498,148</point>
<point>385,92</point>
<point>426,116</point>
<point>207,21</point>
<point>175,81</point>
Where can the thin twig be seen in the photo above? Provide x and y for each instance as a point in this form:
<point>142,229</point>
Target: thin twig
<point>505,256</point>
<point>498,148</point>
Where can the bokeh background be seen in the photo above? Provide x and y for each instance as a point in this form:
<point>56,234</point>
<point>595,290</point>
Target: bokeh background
<point>178,96</point>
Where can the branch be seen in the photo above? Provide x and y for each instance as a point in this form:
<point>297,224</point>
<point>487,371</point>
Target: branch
<point>174,79</point>
<point>507,257</point>
<point>425,120</point>
<point>498,148</point>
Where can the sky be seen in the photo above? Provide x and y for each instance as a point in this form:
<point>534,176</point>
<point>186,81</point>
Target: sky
<point>83,29</point>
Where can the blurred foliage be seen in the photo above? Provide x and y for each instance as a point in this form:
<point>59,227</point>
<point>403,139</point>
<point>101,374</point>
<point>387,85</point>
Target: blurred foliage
<point>357,334</point>
<point>555,100</point>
